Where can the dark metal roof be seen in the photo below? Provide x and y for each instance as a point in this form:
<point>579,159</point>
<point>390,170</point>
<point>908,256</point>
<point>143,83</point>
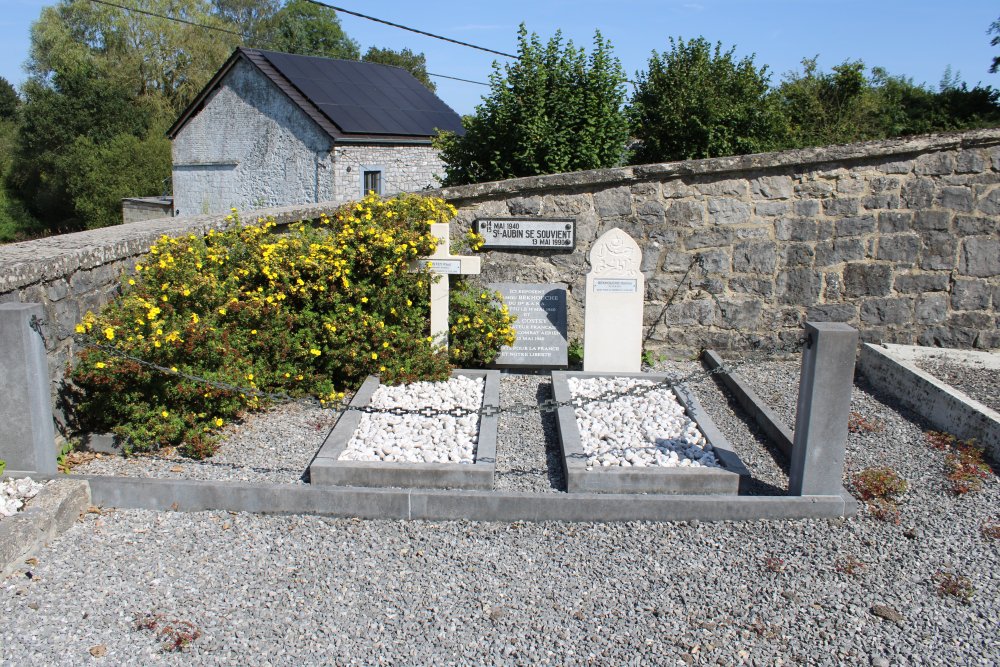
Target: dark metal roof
<point>350,100</point>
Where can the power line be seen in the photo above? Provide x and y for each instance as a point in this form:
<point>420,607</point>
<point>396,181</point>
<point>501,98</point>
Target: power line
<point>169,18</point>
<point>419,32</point>
<point>455,78</point>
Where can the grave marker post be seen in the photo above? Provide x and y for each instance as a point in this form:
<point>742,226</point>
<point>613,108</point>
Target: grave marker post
<point>27,439</point>
<point>823,409</point>
<point>612,330</point>
<point>444,264</point>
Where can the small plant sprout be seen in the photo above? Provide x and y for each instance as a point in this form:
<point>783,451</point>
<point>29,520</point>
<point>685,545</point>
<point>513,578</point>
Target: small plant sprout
<point>952,584</point>
<point>965,468</point>
<point>880,488</point>
<point>774,564</point>
<point>857,423</point>
<point>991,529</point>
<point>175,634</point>
<point>850,565</point>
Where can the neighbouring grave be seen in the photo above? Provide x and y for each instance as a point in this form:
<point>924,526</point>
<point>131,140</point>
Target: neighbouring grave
<point>612,332</point>
<point>541,325</point>
<point>331,467</point>
<point>527,233</point>
<point>586,472</point>
<point>444,264</point>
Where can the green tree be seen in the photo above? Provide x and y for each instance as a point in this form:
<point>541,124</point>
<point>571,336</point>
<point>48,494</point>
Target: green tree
<point>414,63</point>
<point>9,100</point>
<point>102,78</point>
<point>994,30</point>
<point>307,29</point>
<point>698,101</point>
<point>553,110</point>
<point>249,17</point>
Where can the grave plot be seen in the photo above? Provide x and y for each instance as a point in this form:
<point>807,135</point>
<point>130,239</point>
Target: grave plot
<point>413,450</point>
<point>662,442</point>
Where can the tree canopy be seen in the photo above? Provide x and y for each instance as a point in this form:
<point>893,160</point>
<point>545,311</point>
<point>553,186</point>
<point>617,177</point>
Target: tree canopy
<point>307,29</point>
<point>697,101</point>
<point>554,109</point>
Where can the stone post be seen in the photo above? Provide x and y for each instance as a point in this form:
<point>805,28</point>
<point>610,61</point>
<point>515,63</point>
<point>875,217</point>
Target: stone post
<point>27,436</point>
<point>817,465</point>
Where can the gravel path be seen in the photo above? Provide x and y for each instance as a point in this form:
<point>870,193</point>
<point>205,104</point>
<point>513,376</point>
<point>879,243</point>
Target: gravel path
<point>529,456</point>
<point>310,590</point>
<point>276,446</point>
<point>982,384</point>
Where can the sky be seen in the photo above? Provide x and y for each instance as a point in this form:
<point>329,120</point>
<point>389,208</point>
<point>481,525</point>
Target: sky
<point>914,38</point>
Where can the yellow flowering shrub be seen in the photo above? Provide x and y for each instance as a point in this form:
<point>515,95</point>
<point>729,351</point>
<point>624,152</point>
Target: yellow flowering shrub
<point>310,311</point>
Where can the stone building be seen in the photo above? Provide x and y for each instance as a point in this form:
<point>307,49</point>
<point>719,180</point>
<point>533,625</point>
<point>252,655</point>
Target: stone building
<point>275,129</point>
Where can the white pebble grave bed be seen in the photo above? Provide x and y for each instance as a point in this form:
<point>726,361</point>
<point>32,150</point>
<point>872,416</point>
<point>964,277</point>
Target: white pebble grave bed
<point>413,438</point>
<point>15,492</point>
<point>640,431</point>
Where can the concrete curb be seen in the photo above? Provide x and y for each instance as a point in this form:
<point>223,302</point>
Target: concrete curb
<point>47,515</point>
<point>436,505</point>
<point>653,479</point>
<point>761,412</point>
<point>888,368</point>
<point>328,469</point>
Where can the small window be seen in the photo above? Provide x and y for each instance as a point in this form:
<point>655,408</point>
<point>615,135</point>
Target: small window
<point>372,182</point>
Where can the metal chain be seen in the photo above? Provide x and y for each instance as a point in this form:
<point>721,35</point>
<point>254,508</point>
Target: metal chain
<point>549,405</point>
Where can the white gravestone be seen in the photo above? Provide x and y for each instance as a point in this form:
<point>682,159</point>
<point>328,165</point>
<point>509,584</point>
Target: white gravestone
<point>444,264</point>
<point>612,332</point>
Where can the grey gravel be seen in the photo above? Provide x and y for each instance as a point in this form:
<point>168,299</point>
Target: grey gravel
<point>982,384</point>
<point>275,445</point>
<point>312,590</point>
<point>529,456</point>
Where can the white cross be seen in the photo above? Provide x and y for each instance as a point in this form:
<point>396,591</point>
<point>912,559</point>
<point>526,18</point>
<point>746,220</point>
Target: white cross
<point>444,264</point>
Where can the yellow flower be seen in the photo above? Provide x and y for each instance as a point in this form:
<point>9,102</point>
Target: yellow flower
<point>364,299</point>
<point>218,421</point>
<point>81,329</point>
<point>109,333</point>
<point>222,311</point>
<point>99,364</point>
<point>385,344</point>
<point>173,369</point>
<point>315,352</point>
<point>131,281</point>
<point>194,318</point>
<point>374,356</point>
<point>249,376</point>
<point>165,413</point>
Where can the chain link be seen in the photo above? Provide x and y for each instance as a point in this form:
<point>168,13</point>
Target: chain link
<point>486,410</point>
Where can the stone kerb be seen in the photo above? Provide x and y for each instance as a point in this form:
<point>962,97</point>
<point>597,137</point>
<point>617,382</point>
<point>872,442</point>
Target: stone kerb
<point>328,469</point>
<point>652,479</point>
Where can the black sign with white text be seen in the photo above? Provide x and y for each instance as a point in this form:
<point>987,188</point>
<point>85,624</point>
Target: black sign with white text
<point>527,233</point>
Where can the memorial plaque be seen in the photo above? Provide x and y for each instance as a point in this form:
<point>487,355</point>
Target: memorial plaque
<point>616,285</point>
<point>449,266</point>
<point>527,233</point>
<point>540,325</point>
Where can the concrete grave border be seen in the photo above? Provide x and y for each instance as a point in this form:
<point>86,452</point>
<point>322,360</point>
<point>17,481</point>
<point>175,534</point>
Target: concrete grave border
<point>453,505</point>
<point>45,517</point>
<point>892,370</point>
<point>652,480</point>
<point>328,469</point>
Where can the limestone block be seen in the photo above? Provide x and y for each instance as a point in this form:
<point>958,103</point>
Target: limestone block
<point>896,167</point>
<point>895,221</point>
<point>931,308</point>
<point>934,164</point>
<point>990,203</point>
<point>525,205</point>
<point>918,193</point>
<point>614,305</point>
<point>710,237</point>
<point>863,279</point>
<point>855,226</point>
<point>772,187</point>
<point>691,213</point>
<point>918,283</point>
<point>886,311</point>
<point>755,257</point>
<point>798,286</point>
<point>832,312</point>
<point>886,200</point>
<point>797,254</point>
<point>807,208</point>
<point>829,253</point>
<point>956,198</point>
<point>969,162</point>
<point>903,248</point>
<point>728,211</point>
<point>980,257</point>
<point>650,213</point>
<point>842,206</point>
<point>932,220</point>
<point>937,251</point>
<point>733,187</point>
<point>771,209</point>
<point>974,225</point>
<point>613,202</point>
<point>796,229</point>
<point>757,286</point>
<point>970,294</point>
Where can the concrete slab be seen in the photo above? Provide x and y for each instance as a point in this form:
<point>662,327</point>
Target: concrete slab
<point>328,469</point>
<point>653,479</point>
<point>440,505</point>
<point>891,369</point>
<point>47,515</point>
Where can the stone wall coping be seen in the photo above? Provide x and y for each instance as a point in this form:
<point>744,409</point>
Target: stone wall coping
<point>797,158</point>
<point>31,262</point>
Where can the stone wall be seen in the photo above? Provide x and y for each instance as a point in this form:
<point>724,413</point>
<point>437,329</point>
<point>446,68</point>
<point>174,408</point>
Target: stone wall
<point>249,147</point>
<point>898,238</point>
<point>404,168</point>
